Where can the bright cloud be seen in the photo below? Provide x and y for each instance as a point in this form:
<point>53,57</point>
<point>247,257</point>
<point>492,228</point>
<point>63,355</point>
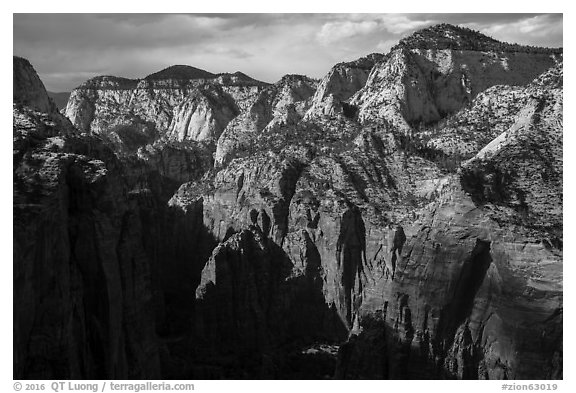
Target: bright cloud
<point>333,32</point>
<point>398,23</point>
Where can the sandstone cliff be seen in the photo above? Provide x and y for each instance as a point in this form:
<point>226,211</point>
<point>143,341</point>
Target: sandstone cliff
<point>439,70</point>
<point>490,114</point>
<point>96,248</point>
<point>282,104</point>
<point>341,82</point>
<point>28,89</point>
<point>81,277</point>
<point>182,102</point>
<point>418,262</point>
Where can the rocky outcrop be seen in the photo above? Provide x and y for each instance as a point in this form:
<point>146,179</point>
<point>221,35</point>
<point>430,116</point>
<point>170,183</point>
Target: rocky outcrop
<point>341,82</point>
<point>521,169</point>
<point>183,102</point>
<point>431,296</point>
<point>490,114</point>
<point>485,240</point>
<point>81,278</point>
<point>100,260</point>
<point>351,260</point>
<point>203,115</point>
<point>276,305</point>
<point>282,104</point>
<point>422,81</point>
<point>264,183</point>
<point>454,325</point>
<point>177,162</point>
<point>28,89</point>
<point>307,211</point>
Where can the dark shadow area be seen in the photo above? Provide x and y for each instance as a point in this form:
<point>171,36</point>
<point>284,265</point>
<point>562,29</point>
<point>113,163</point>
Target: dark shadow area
<point>349,110</point>
<point>351,259</point>
<point>262,316</point>
<point>487,183</point>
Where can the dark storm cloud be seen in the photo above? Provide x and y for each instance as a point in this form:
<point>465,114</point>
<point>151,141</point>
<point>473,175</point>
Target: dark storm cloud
<point>67,49</point>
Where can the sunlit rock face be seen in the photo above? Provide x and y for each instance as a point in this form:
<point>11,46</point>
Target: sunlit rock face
<point>180,102</point>
<point>440,70</point>
<point>341,82</point>
<point>280,105</point>
<point>202,116</point>
<point>400,218</point>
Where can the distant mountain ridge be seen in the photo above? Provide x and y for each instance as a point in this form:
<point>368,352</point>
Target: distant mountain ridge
<point>181,72</point>
<point>175,75</point>
<point>447,36</point>
<point>179,102</point>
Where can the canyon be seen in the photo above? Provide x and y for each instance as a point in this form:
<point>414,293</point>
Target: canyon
<point>400,218</point>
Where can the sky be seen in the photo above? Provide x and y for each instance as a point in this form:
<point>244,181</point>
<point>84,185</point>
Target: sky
<point>67,49</point>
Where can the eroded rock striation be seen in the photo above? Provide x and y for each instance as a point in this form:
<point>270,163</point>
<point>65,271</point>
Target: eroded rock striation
<point>439,70</point>
<point>279,106</point>
<point>182,102</point>
<point>81,278</point>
